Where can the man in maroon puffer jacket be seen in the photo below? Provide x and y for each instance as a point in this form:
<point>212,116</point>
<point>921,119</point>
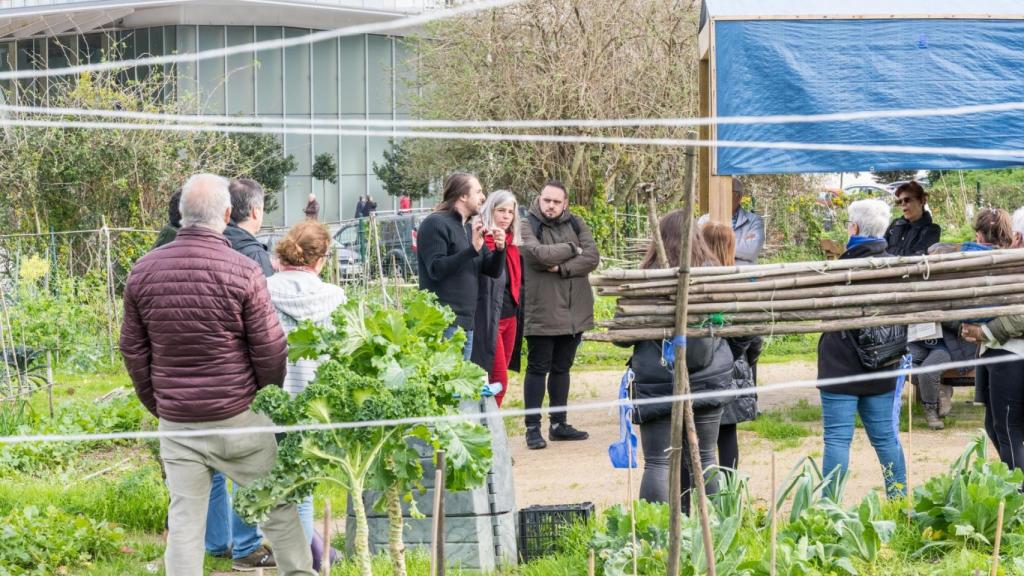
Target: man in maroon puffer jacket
<point>199,339</point>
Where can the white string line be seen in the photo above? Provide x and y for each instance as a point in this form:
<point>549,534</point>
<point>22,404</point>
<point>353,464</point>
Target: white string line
<point>585,407</point>
<point>248,48</point>
<point>993,154</point>
<point>512,124</point>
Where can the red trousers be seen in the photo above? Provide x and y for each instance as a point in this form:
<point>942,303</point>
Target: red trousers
<point>502,355</point>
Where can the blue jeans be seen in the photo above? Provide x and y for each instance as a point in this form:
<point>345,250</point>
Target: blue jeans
<point>881,418</point>
<point>467,350</point>
<point>306,517</point>
<point>224,529</point>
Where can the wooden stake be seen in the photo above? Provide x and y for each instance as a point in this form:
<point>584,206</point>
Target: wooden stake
<point>632,507</point>
<point>110,290</point>
<point>910,446</point>
<point>652,219</point>
<point>682,415</point>
<point>999,537</point>
<point>591,564</point>
<point>325,563</point>
<point>774,526</point>
<point>437,547</point>
<point>49,380</point>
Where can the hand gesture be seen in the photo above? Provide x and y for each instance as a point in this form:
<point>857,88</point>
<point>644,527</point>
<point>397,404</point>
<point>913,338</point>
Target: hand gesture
<point>499,238</point>
<point>478,234</point>
<point>972,332</point>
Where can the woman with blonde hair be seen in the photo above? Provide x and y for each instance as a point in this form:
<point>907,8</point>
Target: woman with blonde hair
<point>298,294</point>
<point>497,328</point>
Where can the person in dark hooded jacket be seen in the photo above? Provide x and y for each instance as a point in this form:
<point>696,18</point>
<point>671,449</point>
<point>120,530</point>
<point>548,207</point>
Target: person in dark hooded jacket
<point>875,400</point>
<point>912,233</point>
<point>247,198</point>
<point>709,363</point>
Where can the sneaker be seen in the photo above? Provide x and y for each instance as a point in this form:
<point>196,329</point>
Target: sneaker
<point>566,432</point>
<point>262,557</point>
<point>224,554</point>
<point>931,415</point>
<point>945,400</point>
<point>534,440</point>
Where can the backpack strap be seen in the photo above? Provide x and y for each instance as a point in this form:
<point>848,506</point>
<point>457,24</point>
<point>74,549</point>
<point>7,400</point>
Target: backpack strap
<point>535,224</point>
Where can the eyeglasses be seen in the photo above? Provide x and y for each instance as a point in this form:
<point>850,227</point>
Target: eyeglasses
<point>905,200</point>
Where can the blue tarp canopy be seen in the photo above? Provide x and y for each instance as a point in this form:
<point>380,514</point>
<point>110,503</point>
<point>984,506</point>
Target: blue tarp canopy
<point>811,57</point>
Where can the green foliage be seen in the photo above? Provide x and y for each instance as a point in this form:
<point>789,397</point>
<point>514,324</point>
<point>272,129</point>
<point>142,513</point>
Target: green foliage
<point>52,541</point>
<point>73,179</point>
<point>325,168</point>
<point>774,427</point>
<point>76,417</point>
<point>894,176</point>
<point>261,157</point>
<point>380,364</point>
<point>136,500</point>
<point>960,506</point>
<point>395,174</point>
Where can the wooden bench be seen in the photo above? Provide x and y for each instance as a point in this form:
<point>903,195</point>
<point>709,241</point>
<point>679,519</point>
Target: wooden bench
<point>955,378</point>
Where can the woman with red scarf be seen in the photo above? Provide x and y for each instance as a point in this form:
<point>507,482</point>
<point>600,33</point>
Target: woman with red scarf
<point>497,333</point>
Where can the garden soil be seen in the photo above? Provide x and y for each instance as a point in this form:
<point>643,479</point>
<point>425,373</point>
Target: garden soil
<point>573,472</point>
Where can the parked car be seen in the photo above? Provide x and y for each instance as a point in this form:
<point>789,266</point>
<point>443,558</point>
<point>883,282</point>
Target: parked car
<point>348,261</point>
<point>397,241</point>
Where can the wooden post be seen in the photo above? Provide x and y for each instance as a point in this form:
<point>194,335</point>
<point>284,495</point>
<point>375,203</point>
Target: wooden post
<point>774,524</point>
<point>910,446</point>
<point>652,220</point>
<point>999,537</point>
<point>632,507</point>
<point>688,171</point>
<point>49,380</point>
<point>437,549</point>
<point>325,563</point>
<point>682,415</point>
<point>110,289</point>
<point>591,564</point>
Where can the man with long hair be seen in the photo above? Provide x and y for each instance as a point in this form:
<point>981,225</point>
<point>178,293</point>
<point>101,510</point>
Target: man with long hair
<point>451,253</point>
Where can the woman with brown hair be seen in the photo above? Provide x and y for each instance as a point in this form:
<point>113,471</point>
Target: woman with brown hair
<point>745,351</point>
<point>912,233</point>
<point>709,364</point>
<point>298,294</point>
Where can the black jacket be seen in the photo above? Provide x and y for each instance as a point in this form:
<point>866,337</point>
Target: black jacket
<point>450,267</point>
<point>906,238</point>
<point>837,356</point>
<point>244,242</point>
<point>490,298</point>
<point>708,362</point>
<point>741,408</point>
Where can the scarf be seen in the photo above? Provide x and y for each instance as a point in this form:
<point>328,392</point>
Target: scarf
<point>858,240</point>
<point>512,265</point>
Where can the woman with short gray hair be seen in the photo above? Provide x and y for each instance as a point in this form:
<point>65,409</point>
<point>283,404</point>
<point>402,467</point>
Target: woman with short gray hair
<point>839,357</point>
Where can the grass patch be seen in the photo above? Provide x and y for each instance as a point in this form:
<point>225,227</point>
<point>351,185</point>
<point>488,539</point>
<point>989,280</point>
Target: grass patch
<point>789,348</point>
<point>774,427</point>
<point>803,411</point>
<point>136,500</point>
<point>601,356</point>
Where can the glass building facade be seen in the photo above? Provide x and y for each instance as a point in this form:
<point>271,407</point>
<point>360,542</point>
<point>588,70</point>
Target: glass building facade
<point>355,77</point>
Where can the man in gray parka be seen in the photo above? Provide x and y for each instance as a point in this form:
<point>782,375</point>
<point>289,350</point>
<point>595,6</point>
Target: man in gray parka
<point>559,253</point>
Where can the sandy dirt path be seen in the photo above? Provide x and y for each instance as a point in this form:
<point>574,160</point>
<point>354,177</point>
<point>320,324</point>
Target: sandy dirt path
<point>571,472</point>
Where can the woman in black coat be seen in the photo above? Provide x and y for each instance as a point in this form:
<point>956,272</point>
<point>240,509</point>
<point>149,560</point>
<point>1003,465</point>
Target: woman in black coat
<point>709,363</point>
<point>912,233</point>
<point>874,400</point>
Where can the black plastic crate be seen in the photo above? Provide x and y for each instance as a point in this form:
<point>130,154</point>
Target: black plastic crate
<point>541,526</point>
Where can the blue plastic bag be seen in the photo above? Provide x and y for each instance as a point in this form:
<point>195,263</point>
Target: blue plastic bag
<point>623,452</point>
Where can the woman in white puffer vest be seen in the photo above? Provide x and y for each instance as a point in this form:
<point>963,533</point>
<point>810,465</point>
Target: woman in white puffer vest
<point>299,294</point>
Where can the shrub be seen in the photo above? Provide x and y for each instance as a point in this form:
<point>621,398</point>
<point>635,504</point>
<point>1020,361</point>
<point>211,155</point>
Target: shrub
<point>52,541</point>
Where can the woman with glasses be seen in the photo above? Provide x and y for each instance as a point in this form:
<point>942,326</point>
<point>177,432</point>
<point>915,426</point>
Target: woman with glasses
<point>912,233</point>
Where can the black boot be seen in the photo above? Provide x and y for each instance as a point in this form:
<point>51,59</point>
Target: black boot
<point>563,431</point>
<point>534,440</point>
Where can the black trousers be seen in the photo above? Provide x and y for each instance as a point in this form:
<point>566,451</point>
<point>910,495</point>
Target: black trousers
<point>748,348</point>
<point>655,439</point>
<point>1001,386</point>
<point>548,362</point>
